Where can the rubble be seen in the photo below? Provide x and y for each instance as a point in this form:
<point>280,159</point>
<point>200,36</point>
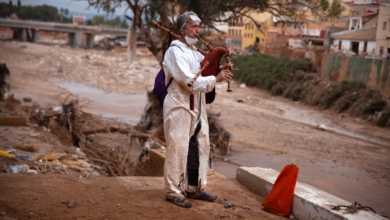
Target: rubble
<point>89,153</point>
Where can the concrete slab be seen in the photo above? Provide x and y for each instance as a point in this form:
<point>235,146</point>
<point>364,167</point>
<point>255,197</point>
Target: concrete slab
<point>309,202</point>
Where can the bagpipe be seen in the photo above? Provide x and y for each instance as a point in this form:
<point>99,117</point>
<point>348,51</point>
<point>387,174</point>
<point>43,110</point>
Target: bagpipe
<point>210,65</point>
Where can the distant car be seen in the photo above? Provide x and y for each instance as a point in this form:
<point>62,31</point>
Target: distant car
<point>372,56</point>
<point>349,53</point>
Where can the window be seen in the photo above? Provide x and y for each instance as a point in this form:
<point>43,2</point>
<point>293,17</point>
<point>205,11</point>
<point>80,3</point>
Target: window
<point>384,27</point>
<point>381,51</point>
<point>239,32</point>
<point>340,45</point>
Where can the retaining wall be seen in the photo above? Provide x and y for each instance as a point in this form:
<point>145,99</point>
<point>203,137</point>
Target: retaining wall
<point>375,73</point>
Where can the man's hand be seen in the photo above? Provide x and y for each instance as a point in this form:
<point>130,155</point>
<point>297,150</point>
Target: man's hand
<point>224,75</point>
<point>227,66</point>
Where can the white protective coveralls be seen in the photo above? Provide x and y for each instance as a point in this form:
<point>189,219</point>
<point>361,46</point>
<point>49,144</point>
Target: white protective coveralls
<point>182,63</point>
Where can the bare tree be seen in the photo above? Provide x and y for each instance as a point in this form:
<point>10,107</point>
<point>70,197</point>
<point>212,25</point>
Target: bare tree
<point>136,7</point>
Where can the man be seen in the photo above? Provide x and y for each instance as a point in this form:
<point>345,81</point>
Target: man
<point>184,127</point>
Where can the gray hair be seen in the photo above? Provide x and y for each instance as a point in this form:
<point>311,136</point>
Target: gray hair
<point>181,20</point>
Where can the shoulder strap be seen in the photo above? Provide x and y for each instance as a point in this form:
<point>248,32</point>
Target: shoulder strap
<point>175,45</point>
<point>171,79</point>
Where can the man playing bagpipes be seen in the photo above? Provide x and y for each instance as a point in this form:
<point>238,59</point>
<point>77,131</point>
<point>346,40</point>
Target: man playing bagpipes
<point>185,119</point>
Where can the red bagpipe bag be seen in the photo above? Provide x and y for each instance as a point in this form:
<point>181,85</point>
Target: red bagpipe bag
<point>279,200</point>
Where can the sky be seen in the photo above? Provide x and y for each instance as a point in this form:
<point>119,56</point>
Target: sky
<point>73,6</point>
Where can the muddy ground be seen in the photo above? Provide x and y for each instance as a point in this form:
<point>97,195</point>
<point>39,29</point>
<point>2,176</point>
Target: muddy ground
<point>337,153</point>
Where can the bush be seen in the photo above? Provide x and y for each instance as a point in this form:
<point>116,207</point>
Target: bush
<point>296,92</point>
<point>264,71</point>
<point>333,93</point>
<point>346,101</point>
<point>384,119</point>
<point>278,88</point>
<point>374,106</point>
<point>288,77</point>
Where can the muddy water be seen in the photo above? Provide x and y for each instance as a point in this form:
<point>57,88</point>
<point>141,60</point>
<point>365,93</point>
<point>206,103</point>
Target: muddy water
<point>126,108</point>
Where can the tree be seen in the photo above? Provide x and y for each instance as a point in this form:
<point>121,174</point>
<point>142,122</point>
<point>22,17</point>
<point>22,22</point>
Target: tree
<point>66,12</point>
<point>98,20</point>
<point>19,6</point>
<point>335,9</point>
<point>10,7</point>
<point>137,8</point>
<point>62,14</point>
<point>209,11</point>
<point>4,10</point>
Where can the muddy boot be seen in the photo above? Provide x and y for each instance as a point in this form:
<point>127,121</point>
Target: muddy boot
<point>202,196</point>
<point>180,201</point>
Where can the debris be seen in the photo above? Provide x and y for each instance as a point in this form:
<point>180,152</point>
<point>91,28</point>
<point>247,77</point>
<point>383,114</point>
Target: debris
<point>321,127</point>
<point>12,121</point>
<point>228,205</point>
<point>5,154</point>
<point>51,157</point>
<point>70,203</point>
<point>27,99</point>
<point>353,208</point>
<point>21,156</point>
<point>37,157</point>
<point>57,109</point>
<point>27,147</point>
<point>35,135</point>
<point>23,168</point>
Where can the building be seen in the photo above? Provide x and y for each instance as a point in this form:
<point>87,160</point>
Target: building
<point>254,35</point>
<point>383,31</point>
<point>234,37</point>
<point>361,41</point>
<point>373,38</point>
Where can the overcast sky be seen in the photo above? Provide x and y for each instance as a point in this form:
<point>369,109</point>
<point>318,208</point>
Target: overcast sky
<point>72,5</point>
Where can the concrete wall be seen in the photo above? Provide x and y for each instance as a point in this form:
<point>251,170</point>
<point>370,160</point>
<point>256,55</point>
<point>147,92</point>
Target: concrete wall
<point>375,73</point>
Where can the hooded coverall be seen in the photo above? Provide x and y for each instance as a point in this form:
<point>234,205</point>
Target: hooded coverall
<point>182,62</point>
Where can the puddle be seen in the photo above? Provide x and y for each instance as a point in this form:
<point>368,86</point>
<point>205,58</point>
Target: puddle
<point>109,105</point>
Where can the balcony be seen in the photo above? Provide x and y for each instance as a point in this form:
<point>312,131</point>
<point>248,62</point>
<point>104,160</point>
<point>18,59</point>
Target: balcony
<point>312,32</point>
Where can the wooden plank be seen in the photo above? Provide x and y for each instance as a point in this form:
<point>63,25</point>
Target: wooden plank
<point>12,121</point>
